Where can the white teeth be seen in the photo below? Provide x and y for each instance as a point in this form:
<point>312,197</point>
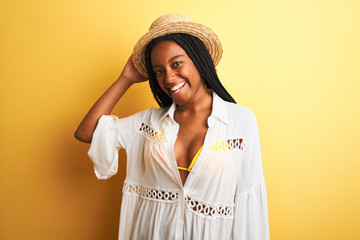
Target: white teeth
<point>177,87</point>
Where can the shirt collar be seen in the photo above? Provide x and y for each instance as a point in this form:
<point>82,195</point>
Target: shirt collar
<point>219,110</point>
<point>169,112</point>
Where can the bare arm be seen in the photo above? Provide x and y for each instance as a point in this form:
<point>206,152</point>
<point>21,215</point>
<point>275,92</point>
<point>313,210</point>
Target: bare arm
<point>105,104</point>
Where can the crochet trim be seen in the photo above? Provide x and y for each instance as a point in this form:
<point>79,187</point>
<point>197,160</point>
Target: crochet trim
<point>209,210</point>
<point>201,208</point>
<point>152,133</point>
<point>230,144</point>
<point>150,192</point>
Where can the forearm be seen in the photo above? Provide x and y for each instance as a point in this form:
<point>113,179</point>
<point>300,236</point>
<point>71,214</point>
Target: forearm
<point>103,106</point>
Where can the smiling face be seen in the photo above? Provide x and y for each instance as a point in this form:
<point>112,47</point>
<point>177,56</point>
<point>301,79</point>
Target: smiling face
<point>176,73</point>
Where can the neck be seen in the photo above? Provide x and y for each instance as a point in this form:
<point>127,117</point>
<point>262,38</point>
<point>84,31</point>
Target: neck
<point>201,103</point>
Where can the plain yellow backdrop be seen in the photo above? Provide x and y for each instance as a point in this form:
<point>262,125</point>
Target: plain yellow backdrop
<point>295,64</point>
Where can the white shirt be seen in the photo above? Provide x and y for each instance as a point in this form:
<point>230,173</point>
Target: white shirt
<point>224,196</point>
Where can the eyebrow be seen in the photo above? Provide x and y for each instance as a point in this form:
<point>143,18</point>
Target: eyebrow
<point>180,55</point>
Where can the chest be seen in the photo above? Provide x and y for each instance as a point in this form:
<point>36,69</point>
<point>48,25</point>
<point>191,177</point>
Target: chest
<point>191,135</point>
<point>217,165</point>
<point>189,139</point>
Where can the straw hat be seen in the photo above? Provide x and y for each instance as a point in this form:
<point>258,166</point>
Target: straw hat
<point>176,23</point>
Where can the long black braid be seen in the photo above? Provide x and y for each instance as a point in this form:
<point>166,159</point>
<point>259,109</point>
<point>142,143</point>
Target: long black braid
<point>201,58</point>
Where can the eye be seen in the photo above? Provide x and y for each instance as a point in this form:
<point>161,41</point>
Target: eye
<point>158,72</point>
<point>176,64</point>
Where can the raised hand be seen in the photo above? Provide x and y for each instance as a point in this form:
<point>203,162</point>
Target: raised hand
<point>108,100</point>
<point>131,74</point>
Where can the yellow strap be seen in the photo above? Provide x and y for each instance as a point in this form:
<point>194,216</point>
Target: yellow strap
<point>182,168</point>
<point>193,161</point>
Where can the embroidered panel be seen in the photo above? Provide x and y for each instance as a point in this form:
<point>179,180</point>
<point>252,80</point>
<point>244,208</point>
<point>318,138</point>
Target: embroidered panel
<point>151,193</point>
<point>208,210</point>
<point>151,133</point>
<point>230,144</point>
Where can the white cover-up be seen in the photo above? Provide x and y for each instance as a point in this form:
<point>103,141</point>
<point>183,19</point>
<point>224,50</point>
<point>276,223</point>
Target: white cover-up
<point>224,196</point>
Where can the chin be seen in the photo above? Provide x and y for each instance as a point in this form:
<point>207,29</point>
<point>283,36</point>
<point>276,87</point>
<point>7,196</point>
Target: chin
<point>181,102</point>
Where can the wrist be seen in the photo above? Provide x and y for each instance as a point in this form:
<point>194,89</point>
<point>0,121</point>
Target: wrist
<point>125,81</point>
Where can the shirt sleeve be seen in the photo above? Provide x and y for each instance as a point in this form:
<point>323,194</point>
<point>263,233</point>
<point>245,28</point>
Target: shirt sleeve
<point>251,220</point>
<point>111,134</point>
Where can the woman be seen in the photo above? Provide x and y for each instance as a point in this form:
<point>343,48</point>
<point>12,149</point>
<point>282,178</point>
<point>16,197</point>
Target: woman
<point>194,167</point>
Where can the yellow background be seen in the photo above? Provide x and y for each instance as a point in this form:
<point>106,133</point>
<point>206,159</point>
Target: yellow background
<point>295,64</point>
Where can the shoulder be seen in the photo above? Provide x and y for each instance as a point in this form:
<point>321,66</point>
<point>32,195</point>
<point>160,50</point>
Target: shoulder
<point>136,117</point>
<point>230,112</point>
<point>238,113</point>
<point>150,112</point>
<point>153,115</point>
<point>241,120</point>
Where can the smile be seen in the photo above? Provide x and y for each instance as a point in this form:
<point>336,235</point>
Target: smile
<point>177,87</point>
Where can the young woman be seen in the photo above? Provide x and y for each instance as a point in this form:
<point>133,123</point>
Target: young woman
<point>194,168</point>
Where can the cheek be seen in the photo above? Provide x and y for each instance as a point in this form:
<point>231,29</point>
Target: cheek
<point>195,77</point>
<point>160,82</point>
<point>193,73</point>
<point>162,85</point>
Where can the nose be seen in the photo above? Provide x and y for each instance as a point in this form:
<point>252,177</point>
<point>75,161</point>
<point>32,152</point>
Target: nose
<point>169,77</point>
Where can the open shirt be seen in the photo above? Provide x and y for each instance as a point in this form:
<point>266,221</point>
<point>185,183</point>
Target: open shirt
<point>224,196</point>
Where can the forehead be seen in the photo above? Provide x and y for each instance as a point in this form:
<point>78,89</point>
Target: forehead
<point>166,50</point>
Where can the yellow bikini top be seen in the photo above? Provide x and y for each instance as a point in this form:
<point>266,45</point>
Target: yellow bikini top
<point>192,161</point>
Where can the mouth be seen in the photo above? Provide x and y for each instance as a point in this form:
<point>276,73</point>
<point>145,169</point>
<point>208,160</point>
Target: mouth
<point>177,88</point>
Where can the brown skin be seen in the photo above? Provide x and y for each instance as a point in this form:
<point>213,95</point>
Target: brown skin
<point>107,101</point>
<point>172,66</point>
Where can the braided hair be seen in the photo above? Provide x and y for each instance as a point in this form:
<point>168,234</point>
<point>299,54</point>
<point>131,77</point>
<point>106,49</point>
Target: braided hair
<point>201,58</point>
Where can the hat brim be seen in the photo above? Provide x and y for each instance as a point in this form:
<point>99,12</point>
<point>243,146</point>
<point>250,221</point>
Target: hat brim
<point>205,34</point>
